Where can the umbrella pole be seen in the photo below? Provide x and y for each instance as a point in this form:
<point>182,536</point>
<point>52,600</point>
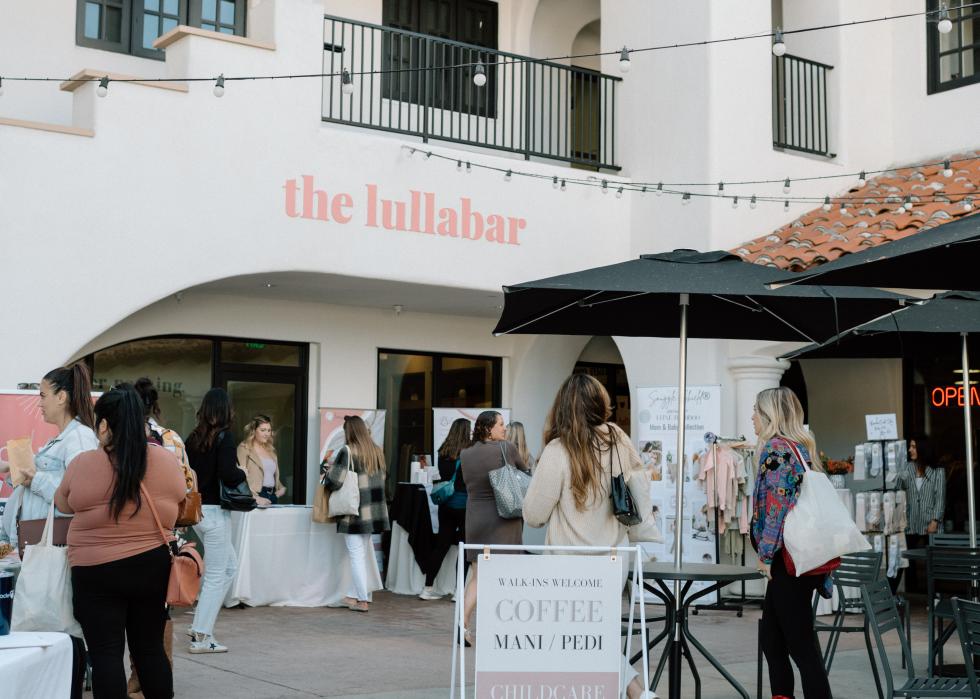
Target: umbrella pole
<point>968,425</point>
<point>675,654</point>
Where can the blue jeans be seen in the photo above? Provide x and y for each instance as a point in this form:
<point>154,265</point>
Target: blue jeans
<point>220,566</point>
<point>270,495</point>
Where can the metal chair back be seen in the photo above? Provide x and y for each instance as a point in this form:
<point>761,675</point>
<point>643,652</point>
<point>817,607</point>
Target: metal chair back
<point>856,570</point>
<point>950,540</point>
<point>968,626</point>
<point>882,614</point>
<point>952,565</point>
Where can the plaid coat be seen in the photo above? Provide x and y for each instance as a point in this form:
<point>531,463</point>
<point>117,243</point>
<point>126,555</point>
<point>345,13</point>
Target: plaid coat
<point>373,518</point>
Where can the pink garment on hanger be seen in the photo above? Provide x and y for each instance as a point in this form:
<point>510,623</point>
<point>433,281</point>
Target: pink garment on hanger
<point>717,479</point>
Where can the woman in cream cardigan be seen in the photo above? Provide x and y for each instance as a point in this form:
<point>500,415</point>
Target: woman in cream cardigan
<point>570,490</point>
<point>257,456</point>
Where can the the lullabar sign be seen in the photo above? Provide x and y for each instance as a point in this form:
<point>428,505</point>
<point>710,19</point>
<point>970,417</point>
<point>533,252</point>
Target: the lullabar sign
<point>420,213</point>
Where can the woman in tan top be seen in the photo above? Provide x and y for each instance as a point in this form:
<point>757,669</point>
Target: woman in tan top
<point>257,455</point>
<point>120,565</point>
<point>570,491</point>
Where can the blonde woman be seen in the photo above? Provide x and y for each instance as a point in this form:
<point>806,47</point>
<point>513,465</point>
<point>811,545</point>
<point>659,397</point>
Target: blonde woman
<point>570,491</point>
<point>785,451</point>
<point>257,455</point>
<point>517,437</point>
<point>368,463</point>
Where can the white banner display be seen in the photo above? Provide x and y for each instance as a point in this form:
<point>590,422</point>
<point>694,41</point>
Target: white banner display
<point>443,419</point>
<point>657,415</point>
<point>548,627</point>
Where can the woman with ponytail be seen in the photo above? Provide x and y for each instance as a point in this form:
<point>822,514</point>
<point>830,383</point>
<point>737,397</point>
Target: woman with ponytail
<point>120,566</point>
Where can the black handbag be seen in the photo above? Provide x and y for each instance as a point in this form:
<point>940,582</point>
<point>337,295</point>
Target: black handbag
<point>237,498</point>
<point>624,507</point>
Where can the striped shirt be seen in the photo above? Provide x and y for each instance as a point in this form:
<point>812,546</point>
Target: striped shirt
<point>925,504</point>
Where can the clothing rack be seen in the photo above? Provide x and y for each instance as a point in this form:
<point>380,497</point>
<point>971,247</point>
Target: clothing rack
<point>720,605</point>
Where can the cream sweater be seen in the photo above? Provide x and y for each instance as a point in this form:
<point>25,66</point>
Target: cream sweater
<point>550,502</point>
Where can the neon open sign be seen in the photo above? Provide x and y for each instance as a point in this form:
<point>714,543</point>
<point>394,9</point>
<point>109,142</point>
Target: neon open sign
<point>946,396</point>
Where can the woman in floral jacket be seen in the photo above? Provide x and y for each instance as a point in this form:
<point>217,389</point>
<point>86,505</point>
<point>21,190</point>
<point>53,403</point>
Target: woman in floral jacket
<point>367,462</point>
<point>787,622</point>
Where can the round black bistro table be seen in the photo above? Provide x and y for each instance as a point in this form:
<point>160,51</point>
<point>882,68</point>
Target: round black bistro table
<point>676,629</point>
<point>915,554</point>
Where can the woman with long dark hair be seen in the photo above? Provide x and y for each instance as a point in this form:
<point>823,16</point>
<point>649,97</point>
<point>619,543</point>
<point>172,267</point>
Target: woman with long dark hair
<point>925,486</point>
<point>119,565</point>
<point>66,403</point>
<point>211,450</point>
<point>483,524</point>
<point>452,513</point>
<point>786,450</point>
<point>363,459</point>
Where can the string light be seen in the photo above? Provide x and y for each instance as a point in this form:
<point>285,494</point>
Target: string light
<point>346,82</point>
<point>411,153</point>
<point>660,188</point>
<point>459,166</point>
<point>479,74</point>
<point>508,175</point>
<point>862,179</point>
<point>563,186</point>
<point>967,204</point>
<point>554,182</point>
<point>843,208</point>
<point>1,87</point>
<point>219,86</point>
<point>469,168</point>
<point>752,203</point>
<point>624,61</point>
<point>686,199</point>
<point>945,24</point>
<point>721,187</point>
<point>605,187</point>
<point>619,193</point>
<point>786,186</point>
<point>103,89</point>
<point>778,45</point>
<point>735,202</point>
<point>826,204</point>
<point>786,205</point>
<point>428,155</point>
<point>947,169</point>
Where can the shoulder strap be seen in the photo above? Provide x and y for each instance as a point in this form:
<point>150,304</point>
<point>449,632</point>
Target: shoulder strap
<point>156,516</point>
<point>799,456</point>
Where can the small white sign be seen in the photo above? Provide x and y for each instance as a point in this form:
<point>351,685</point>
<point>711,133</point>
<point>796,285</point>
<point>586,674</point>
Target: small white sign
<point>881,427</point>
<point>549,626</point>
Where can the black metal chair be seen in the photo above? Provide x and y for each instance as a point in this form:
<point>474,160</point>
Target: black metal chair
<point>880,610</point>
<point>958,541</point>
<point>856,570</point>
<point>967,616</point>
<point>950,565</point>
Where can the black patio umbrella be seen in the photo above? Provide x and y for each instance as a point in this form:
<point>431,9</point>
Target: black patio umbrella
<point>943,258</point>
<point>650,296</point>
<point>924,325</point>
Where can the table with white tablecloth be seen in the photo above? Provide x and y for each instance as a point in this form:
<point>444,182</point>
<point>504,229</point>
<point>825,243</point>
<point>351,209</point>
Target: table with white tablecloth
<point>35,665</point>
<point>285,559</point>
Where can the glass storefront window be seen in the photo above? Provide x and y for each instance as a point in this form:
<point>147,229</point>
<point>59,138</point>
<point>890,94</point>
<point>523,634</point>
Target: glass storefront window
<point>411,384</point>
<point>179,368</point>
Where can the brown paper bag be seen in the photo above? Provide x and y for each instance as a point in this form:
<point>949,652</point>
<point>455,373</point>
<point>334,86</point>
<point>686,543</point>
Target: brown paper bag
<point>321,505</point>
<point>21,459</point>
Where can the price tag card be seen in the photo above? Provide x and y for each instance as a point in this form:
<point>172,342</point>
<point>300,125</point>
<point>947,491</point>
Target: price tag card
<point>881,427</point>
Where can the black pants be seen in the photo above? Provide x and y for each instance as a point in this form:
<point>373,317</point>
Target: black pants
<point>451,532</point>
<point>119,600</point>
<point>787,631</point>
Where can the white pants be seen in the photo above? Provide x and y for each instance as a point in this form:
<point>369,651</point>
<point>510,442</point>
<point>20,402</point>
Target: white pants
<point>220,566</point>
<point>359,547</point>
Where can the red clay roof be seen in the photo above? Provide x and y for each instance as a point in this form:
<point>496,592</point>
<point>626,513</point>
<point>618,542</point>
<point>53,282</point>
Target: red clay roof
<point>872,219</point>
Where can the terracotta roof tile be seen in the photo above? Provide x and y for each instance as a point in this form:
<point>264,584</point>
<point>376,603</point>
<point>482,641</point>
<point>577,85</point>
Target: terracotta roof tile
<point>872,218</point>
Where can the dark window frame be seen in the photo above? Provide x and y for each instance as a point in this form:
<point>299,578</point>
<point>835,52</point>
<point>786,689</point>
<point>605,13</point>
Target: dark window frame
<point>934,55</point>
<point>134,16</point>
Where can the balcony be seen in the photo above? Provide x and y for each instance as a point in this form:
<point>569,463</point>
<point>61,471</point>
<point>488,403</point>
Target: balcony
<point>421,85</point>
<point>799,105</point>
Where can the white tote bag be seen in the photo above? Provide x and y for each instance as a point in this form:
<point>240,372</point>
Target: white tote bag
<point>819,528</point>
<point>347,499</point>
<point>43,598</point>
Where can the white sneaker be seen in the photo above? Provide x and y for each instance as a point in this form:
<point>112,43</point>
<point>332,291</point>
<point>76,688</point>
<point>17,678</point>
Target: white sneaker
<point>428,595</point>
<point>204,643</point>
<point>647,694</point>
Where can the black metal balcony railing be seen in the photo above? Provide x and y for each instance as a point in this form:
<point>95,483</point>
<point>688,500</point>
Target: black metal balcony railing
<point>799,105</point>
<point>527,106</point>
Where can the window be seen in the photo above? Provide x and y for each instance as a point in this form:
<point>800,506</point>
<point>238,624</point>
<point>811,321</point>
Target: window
<point>411,384</point>
<point>954,58</point>
<point>131,26</point>
<point>471,22</point>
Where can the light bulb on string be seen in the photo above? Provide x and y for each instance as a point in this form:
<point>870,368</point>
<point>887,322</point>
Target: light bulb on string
<point>428,154</point>
<point>619,193</point>
<point>605,187</point>
<point>721,187</point>
<point>967,204</point>
<point>411,153</point>
<point>469,168</point>
<point>826,204</point>
<point>508,175</point>
<point>563,187</point>
<point>1,87</point>
<point>752,203</point>
<point>459,166</point>
<point>735,202</point>
<point>778,45</point>
<point>479,74</point>
<point>686,199</point>
<point>947,168</point>
<point>346,82</point>
<point>786,205</point>
<point>908,203</point>
<point>660,188</point>
<point>219,86</point>
<point>786,186</point>
<point>624,60</point>
<point>862,179</point>
<point>103,89</point>
<point>945,24</point>
<point>554,183</point>
<point>643,189</point>
<point>843,208</point>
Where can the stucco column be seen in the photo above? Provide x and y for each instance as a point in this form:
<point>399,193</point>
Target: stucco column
<point>752,374</point>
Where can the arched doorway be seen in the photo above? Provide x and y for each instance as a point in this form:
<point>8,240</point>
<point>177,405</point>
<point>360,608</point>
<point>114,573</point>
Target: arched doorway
<point>601,359</point>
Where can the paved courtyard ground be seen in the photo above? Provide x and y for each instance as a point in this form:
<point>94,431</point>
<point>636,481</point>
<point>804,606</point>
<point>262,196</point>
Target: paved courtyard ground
<point>402,650</point>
